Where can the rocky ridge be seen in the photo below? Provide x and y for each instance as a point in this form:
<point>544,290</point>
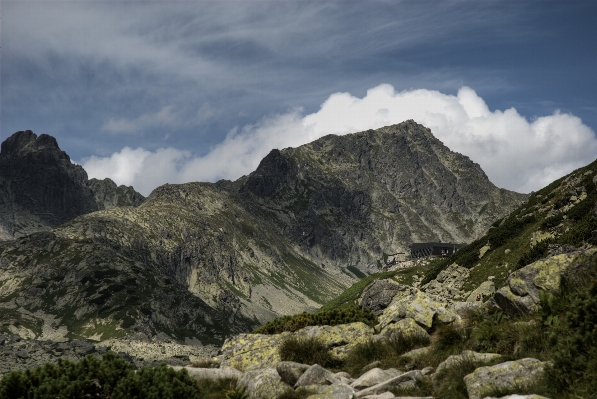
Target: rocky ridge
<point>287,238</point>
<point>40,188</point>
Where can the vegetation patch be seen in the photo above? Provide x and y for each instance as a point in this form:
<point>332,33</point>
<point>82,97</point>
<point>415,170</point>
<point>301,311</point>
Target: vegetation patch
<point>348,314</point>
<point>306,351</point>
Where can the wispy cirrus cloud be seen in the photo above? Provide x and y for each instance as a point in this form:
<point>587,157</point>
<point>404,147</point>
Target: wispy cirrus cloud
<point>165,117</point>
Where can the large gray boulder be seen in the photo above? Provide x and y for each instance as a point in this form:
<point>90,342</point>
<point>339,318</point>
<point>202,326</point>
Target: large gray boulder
<point>316,375</point>
<point>406,327</point>
<point>418,306</point>
<point>406,380</point>
<point>518,374</point>
<point>211,373</point>
<point>290,372</point>
<point>263,384</point>
<point>336,391</point>
<point>374,377</point>
<point>379,294</point>
<point>521,294</point>
<point>467,356</point>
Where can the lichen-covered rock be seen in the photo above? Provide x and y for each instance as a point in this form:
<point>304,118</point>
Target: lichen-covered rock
<point>519,397</point>
<point>417,353</point>
<point>211,374</point>
<point>419,307</point>
<point>466,356</point>
<point>336,391</point>
<point>380,293</point>
<point>263,384</point>
<point>448,284</point>
<point>374,377</point>
<point>406,380</point>
<point>405,327</point>
<point>521,294</point>
<point>251,351</point>
<point>385,395</point>
<point>340,338</point>
<point>316,375</point>
<point>290,372</point>
<point>482,292</point>
<point>518,374</point>
<point>445,316</point>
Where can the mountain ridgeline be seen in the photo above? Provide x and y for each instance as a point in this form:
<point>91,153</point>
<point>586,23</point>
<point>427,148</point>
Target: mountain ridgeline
<point>203,260</point>
<point>40,188</point>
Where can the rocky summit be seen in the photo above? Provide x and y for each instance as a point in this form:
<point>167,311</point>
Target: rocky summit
<point>40,188</point>
<point>199,261</point>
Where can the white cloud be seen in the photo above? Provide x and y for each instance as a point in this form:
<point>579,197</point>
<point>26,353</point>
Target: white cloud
<point>516,153</point>
<point>142,169</point>
<point>164,117</point>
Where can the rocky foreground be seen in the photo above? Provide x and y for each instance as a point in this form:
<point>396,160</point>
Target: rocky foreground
<point>254,361</point>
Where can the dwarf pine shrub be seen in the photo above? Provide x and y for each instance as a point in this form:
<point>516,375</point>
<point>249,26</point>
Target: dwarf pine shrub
<point>333,317</point>
<point>110,377</point>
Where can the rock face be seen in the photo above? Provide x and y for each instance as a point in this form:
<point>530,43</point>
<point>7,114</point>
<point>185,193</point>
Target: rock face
<point>379,294</point>
<point>290,236</point>
<point>517,374</point>
<point>108,195</point>
<point>39,186</point>
<point>521,294</point>
<point>350,198</point>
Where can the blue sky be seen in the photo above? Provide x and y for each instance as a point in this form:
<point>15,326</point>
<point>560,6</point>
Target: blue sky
<point>155,92</point>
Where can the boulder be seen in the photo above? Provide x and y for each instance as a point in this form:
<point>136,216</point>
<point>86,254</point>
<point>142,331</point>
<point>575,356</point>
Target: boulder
<point>448,284</point>
<point>379,294</point>
<point>290,372</point>
<point>211,374</point>
<point>340,338</point>
<point>316,375</point>
<point>335,391</point>
<point>405,381</point>
<point>445,316</point>
<point>374,377</point>
<point>263,384</point>
<point>521,294</point>
<point>417,353</point>
<point>518,374</point>
<point>385,395</point>
<point>251,351</point>
<point>420,307</point>
<point>466,356</point>
<point>483,292</point>
<point>519,397</point>
<point>405,327</point>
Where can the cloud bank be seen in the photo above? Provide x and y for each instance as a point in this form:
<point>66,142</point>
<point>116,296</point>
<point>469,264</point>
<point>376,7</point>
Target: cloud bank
<point>516,153</point>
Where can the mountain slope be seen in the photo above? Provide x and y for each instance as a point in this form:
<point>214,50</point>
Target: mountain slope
<point>40,188</point>
<point>288,237</point>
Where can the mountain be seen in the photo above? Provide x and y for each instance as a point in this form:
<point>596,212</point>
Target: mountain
<point>201,260</point>
<point>40,188</point>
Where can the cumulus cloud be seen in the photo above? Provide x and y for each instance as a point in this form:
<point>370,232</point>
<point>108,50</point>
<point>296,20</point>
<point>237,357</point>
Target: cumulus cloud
<point>516,153</point>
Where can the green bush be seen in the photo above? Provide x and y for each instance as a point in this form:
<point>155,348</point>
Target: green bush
<point>111,377</point>
<point>306,351</point>
<point>161,382</point>
<point>65,379</point>
<point>552,221</point>
<point>538,251</point>
<point>345,315</point>
<point>575,352</point>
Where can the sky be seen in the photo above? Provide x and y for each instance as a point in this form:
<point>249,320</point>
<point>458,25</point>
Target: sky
<point>148,93</point>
